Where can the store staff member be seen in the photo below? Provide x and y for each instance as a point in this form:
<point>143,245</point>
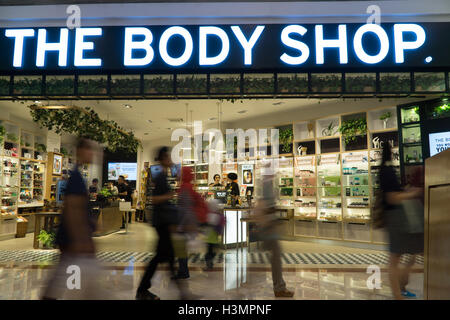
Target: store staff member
<point>124,193</point>
<point>216,183</point>
<point>93,189</point>
<point>232,187</point>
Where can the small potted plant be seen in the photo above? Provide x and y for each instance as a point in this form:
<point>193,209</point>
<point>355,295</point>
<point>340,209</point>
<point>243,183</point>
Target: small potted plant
<point>329,130</point>
<point>385,118</point>
<point>47,239</point>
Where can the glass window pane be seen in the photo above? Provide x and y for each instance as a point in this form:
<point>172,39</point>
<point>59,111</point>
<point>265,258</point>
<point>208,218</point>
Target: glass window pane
<point>259,83</point>
<point>326,82</point>
<point>292,82</point>
<point>191,83</point>
<point>92,85</point>
<point>225,83</point>
<point>395,82</point>
<point>162,84</point>
<point>125,84</point>
<point>28,85</point>
<point>60,85</point>
<point>360,82</point>
<point>429,81</point>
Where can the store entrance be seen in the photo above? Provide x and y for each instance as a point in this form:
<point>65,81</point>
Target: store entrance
<point>325,182</point>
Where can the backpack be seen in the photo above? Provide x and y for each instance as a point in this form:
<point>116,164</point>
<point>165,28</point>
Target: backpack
<point>377,211</point>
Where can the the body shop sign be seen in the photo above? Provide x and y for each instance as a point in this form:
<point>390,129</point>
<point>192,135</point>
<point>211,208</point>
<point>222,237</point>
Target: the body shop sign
<point>234,47</point>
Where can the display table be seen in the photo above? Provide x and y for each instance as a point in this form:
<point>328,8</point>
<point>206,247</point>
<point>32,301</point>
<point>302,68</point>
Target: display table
<point>49,220</point>
<point>235,230</point>
<point>109,219</point>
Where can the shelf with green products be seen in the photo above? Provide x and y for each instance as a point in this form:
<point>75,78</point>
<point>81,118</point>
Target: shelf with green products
<point>285,180</point>
<point>305,178</point>
<point>329,189</point>
<point>356,186</point>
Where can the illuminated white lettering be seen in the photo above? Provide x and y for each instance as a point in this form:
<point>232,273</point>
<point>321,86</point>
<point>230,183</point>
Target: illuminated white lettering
<point>401,46</point>
<point>131,45</point>
<point>340,43</point>
<point>203,56</point>
<point>189,46</point>
<point>384,43</point>
<point>19,36</point>
<point>247,45</point>
<point>43,46</point>
<point>81,46</point>
<point>300,46</point>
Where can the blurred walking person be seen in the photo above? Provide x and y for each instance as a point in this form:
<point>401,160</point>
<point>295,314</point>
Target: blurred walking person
<point>267,223</point>
<point>74,236</point>
<point>189,202</point>
<point>403,216</point>
<point>214,229</point>
<point>165,220</point>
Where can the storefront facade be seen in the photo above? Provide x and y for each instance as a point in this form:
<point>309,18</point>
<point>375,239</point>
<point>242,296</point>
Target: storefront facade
<point>255,50</point>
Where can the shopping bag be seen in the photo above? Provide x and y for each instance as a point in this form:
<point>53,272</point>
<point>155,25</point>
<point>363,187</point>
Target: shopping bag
<point>414,213</point>
<point>179,245</point>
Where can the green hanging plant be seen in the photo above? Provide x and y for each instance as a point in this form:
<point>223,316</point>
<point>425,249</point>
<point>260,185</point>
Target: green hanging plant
<point>2,133</point>
<point>286,137</point>
<point>87,124</point>
<point>352,128</point>
<point>63,151</point>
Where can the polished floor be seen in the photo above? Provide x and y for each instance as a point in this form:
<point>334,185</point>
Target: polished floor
<point>312,270</point>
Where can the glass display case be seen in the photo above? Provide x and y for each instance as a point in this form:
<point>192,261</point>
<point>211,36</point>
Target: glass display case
<point>356,186</point>
<point>285,179</point>
<point>329,187</point>
<point>305,188</point>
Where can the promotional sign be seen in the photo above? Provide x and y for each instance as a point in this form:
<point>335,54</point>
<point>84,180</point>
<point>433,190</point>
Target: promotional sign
<point>439,142</point>
<point>127,170</point>
<point>293,47</point>
<point>247,175</point>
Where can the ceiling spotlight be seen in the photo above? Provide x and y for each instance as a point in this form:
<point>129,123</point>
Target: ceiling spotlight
<point>212,119</point>
<point>146,134</point>
<point>169,128</point>
<point>277,103</point>
<point>149,121</point>
<point>127,106</point>
<point>242,111</point>
<point>37,102</point>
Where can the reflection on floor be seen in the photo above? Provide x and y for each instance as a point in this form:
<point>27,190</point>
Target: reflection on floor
<point>231,280</point>
<point>313,270</point>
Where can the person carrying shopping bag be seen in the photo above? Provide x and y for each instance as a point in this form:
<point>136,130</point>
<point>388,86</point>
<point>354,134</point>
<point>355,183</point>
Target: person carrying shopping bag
<point>403,215</point>
<point>214,229</point>
<point>190,211</point>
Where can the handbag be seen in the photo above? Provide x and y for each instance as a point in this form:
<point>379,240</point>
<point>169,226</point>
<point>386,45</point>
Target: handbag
<point>414,213</point>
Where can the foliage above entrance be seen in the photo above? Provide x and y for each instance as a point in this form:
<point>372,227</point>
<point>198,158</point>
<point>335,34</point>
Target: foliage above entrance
<point>87,124</point>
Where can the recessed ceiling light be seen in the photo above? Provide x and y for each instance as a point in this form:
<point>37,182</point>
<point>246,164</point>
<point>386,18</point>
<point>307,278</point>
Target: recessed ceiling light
<point>169,128</point>
<point>277,103</point>
<point>149,121</point>
<point>37,101</point>
<point>128,106</point>
<point>242,111</point>
<point>146,134</point>
<point>212,118</point>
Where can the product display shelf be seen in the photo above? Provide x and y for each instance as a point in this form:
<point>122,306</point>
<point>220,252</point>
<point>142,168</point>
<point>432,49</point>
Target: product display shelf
<point>9,192</point>
<point>305,188</point>
<point>329,188</point>
<point>356,187</point>
<point>285,181</point>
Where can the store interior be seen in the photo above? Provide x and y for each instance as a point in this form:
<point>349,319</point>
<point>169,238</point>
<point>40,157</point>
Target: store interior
<point>326,180</point>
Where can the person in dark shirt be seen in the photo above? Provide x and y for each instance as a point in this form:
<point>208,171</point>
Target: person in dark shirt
<point>93,189</point>
<point>74,236</point>
<point>232,187</point>
<point>164,220</point>
<point>125,194</point>
<point>399,241</point>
